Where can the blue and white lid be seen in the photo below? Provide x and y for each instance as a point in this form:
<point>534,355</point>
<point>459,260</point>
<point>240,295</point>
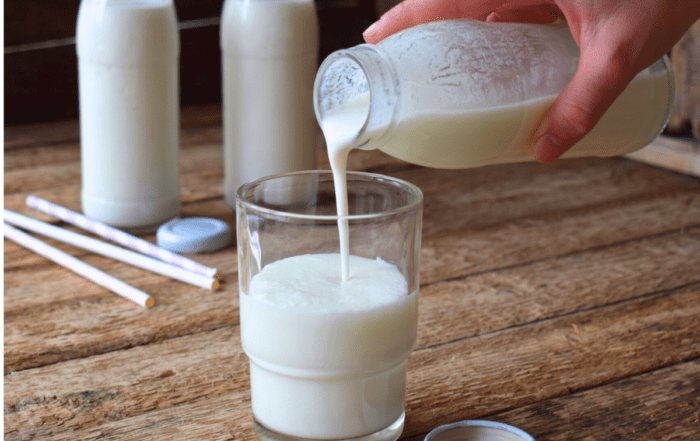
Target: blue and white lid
<point>194,235</point>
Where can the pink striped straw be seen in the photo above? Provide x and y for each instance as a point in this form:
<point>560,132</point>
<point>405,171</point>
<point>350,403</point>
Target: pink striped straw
<point>78,266</point>
<point>119,236</point>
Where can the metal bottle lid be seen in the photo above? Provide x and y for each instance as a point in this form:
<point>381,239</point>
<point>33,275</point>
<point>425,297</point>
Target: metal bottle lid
<point>478,430</point>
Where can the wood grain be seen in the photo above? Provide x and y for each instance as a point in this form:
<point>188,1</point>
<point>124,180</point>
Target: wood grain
<point>202,379</point>
<point>559,298</point>
<point>630,408</point>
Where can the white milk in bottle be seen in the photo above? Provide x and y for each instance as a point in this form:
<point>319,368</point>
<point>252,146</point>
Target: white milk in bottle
<point>269,57</point>
<point>461,93</point>
<point>129,111</point>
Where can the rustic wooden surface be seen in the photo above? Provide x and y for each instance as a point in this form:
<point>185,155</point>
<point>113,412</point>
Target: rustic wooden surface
<point>563,299</point>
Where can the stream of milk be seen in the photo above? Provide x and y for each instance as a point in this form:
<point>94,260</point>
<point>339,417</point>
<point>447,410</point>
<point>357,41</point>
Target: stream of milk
<point>340,128</point>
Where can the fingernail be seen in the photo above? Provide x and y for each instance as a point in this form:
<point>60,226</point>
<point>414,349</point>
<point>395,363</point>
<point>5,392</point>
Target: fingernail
<point>370,30</point>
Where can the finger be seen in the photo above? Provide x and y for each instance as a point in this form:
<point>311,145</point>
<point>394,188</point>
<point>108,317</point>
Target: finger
<point>538,14</point>
<point>601,77</point>
<point>413,12</point>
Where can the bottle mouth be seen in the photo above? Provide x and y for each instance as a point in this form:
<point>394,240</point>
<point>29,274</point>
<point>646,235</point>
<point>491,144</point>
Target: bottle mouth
<point>359,89</point>
<point>342,96</point>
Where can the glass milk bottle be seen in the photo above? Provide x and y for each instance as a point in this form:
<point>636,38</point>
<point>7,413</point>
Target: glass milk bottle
<point>128,54</point>
<point>269,57</point>
<point>459,94</point>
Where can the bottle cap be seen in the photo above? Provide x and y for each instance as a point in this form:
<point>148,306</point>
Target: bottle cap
<point>478,430</point>
<point>194,235</point>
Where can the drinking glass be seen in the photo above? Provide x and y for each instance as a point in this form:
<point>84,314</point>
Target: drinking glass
<point>319,374</point>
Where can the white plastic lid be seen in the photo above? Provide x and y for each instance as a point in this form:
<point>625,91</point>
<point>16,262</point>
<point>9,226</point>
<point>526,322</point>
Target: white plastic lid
<point>478,430</point>
<point>194,235</point>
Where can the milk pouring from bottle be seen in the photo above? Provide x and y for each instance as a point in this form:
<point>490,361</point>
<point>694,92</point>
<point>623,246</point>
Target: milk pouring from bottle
<point>129,111</point>
<point>460,93</point>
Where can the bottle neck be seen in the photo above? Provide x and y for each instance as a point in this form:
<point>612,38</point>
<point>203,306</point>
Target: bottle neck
<point>357,92</point>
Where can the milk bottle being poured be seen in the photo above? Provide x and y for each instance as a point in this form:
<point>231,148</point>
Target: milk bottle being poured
<point>460,93</point>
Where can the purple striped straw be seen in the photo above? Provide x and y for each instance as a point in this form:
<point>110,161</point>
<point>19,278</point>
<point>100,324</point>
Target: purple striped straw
<point>119,236</point>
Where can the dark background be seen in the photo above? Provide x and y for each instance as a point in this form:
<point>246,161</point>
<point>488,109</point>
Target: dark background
<point>41,70</point>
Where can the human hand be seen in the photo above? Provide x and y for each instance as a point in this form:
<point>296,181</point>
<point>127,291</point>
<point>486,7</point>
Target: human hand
<point>617,38</point>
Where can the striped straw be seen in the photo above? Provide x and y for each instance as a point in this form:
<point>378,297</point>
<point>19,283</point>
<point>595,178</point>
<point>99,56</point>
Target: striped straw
<point>109,250</point>
<point>119,236</point>
<point>78,266</point>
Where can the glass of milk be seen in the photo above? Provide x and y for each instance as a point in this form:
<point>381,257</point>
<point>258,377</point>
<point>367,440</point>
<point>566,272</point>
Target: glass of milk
<point>327,357</point>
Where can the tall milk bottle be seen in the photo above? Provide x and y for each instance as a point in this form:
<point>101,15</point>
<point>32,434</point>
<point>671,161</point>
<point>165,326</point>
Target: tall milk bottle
<point>460,93</point>
<point>269,56</point>
<point>128,54</point>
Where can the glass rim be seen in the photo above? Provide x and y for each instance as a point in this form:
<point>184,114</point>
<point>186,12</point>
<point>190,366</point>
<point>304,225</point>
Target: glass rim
<point>415,201</point>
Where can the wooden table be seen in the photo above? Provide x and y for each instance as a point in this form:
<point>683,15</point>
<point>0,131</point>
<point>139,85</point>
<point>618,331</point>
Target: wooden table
<point>563,299</point>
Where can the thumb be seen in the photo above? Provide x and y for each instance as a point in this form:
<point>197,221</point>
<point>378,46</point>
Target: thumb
<point>601,76</point>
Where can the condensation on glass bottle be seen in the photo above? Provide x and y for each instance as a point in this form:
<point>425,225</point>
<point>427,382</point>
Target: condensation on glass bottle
<point>461,93</point>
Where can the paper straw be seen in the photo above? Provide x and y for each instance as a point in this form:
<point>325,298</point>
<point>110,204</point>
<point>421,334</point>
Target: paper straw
<point>119,236</point>
<point>109,250</point>
<point>78,266</point>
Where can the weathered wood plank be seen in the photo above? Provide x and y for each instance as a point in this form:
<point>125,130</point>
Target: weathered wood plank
<point>195,387</point>
<point>76,318</point>
<point>687,217</point>
<point>494,227</point>
<point>631,408</point>
<point>52,134</point>
<point>118,385</point>
<point>475,198</point>
<point>517,263</point>
<point>538,237</point>
<point>557,286</point>
<point>595,277</point>
<point>552,358</point>
<point>526,240</point>
<point>657,262</point>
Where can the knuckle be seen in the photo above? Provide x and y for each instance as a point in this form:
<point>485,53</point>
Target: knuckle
<point>577,119</point>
